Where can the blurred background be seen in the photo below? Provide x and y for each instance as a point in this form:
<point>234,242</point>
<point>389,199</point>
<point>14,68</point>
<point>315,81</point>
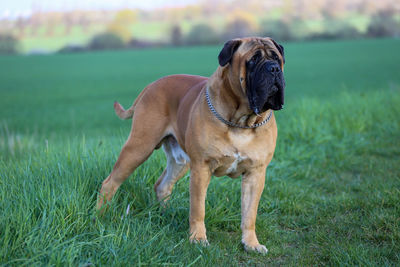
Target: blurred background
<point>44,26</point>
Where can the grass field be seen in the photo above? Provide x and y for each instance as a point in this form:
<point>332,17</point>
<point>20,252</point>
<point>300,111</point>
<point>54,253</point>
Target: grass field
<point>332,190</point>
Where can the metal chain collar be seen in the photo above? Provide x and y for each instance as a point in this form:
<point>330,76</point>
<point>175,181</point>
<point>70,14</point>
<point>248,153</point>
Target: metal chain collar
<point>216,114</point>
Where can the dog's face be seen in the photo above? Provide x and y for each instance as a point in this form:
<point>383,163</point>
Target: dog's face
<point>258,64</point>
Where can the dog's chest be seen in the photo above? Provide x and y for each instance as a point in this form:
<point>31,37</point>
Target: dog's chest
<point>234,156</point>
<point>233,168</point>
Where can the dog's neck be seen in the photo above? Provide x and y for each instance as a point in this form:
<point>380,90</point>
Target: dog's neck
<point>231,102</point>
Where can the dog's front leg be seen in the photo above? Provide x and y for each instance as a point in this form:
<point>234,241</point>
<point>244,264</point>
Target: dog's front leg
<point>252,187</point>
<point>200,176</point>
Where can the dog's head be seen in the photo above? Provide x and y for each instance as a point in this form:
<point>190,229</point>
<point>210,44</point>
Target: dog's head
<point>257,64</point>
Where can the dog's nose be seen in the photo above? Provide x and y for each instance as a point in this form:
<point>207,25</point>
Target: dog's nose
<point>273,68</point>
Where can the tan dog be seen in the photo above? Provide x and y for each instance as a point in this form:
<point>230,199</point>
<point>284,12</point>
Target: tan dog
<point>222,125</point>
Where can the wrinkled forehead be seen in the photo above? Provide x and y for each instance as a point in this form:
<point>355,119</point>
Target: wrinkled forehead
<point>251,45</point>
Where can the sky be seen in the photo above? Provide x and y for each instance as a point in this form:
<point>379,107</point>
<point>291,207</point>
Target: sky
<point>16,8</point>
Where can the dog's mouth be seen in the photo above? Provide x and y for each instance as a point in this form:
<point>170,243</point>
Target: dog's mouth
<point>273,100</point>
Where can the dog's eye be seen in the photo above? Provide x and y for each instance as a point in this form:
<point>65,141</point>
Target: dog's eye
<point>275,57</point>
<point>253,60</point>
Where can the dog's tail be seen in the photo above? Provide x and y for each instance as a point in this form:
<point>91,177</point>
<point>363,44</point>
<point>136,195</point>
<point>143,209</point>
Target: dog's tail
<point>122,113</point>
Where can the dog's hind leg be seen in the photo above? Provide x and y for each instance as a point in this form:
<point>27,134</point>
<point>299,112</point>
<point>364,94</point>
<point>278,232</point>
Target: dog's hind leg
<point>177,166</point>
<point>143,139</point>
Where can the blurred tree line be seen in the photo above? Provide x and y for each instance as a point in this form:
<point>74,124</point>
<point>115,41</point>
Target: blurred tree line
<point>208,22</point>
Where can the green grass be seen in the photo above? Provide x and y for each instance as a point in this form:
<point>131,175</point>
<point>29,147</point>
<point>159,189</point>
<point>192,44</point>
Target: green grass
<point>332,190</point>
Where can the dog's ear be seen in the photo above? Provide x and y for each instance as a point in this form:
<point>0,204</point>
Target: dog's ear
<point>280,49</point>
<point>227,52</point>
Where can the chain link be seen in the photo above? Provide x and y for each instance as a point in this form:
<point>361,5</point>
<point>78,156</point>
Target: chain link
<point>216,114</point>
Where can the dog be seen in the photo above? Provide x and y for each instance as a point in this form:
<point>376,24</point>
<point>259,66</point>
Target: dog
<point>222,125</point>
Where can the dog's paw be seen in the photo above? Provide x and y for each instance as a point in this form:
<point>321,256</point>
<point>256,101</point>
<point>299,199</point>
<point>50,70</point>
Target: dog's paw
<point>257,248</point>
<point>162,195</point>
<point>203,242</point>
<point>198,233</point>
<point>164,203</point>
